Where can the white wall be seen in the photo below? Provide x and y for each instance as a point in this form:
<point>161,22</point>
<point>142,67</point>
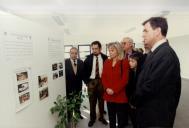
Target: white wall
<point>37,114</point>
<point>181,47</point>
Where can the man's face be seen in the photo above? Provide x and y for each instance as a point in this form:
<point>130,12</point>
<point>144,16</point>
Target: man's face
<point>126,45</point>
<point>73,54</point>
<point>95,49</point>
<point>149,35</point>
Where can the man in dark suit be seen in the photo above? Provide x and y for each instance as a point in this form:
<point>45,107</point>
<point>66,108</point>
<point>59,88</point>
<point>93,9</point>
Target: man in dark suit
<point>74,76</point>
<point>159,84</point>
<point>93,65</point>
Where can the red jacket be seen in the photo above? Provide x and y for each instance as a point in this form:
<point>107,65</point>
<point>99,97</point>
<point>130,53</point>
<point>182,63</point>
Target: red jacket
<point>114,78</point>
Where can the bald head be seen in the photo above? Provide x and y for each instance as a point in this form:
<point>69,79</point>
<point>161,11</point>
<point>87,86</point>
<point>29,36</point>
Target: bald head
<point>127,44</point>
<point>73,53</point>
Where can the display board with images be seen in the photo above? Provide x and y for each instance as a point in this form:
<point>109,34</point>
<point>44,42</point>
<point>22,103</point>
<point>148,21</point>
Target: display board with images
<point>43,86</point>
<point>57,69</point>
<point>22,88</point>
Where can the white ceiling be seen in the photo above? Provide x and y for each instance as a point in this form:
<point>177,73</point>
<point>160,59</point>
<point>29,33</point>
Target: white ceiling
<point>93,6</point>
<point>87,20</point>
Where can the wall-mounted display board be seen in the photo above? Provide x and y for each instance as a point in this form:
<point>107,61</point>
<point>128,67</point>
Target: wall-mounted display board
<point>27,88</point>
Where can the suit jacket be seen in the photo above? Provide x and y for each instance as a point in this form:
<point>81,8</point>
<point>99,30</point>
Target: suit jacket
<point>73,81</point>
<point>88,63</point>
<point>158,88</point>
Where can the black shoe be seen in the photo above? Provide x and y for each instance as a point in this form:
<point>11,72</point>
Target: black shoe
<point>90,124</point>
<point>80,116</point>
<point>103,121</point>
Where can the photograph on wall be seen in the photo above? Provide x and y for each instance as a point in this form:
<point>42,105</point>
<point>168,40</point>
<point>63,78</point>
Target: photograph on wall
<point>22,76</point>
<point>24,97</point>
<point>54,66</point>
<point>60,65</point>
<point>57,69</point>
<point>22,87</point>
<point>42,80</point>
<point>55,75</point>
<point>44,93</point>
<point>60,73</point>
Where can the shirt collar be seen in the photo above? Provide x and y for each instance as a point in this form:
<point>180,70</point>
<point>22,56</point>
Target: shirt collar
<point>99,55</point>
<point>73,60</point>
<point>157,44</point>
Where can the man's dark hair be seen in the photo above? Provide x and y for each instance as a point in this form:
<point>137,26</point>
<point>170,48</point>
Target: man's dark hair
<point>96,43</point>
<point>156,22</point>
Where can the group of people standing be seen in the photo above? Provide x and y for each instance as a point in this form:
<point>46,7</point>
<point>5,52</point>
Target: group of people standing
<point>144,88</point>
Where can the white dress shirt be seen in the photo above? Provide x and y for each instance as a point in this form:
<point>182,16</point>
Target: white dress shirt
<point>74,66</point>
<point>157,44</point>
<point>100,63</point>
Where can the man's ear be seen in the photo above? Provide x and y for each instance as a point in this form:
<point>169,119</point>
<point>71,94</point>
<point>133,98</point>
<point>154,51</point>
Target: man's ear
<point>158,31</point>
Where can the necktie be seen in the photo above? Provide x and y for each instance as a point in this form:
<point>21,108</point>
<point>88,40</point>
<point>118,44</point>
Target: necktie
<point>75,63</point>
<point>75,66</point>
<point>97,75</point>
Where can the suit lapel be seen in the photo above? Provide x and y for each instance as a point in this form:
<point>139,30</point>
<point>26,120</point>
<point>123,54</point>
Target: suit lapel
<point>71,67</point>
<point>77,67</point>
<point>150,56</point>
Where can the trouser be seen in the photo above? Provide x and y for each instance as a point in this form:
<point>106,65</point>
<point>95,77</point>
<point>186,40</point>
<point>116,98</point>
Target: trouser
<point>95,92</point>
<point>119,110</point>
<point>132,115</point>
<point>141,124</point>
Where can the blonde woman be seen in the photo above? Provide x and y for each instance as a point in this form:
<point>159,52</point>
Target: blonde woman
<point>114,79</point>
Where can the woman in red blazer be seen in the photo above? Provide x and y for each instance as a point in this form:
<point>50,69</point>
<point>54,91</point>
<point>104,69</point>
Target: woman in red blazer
<point>114,79</point>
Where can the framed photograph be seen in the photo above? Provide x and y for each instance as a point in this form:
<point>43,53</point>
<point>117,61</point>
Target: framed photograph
<point>23,87</point>
<point>54,66</point>
<point>42,80</point>
<point>22,76</point>
<point>55,75</point>
<point>60,65</point>
<point>44,93</point>
<point>24,97</point>
<point>60,73</point>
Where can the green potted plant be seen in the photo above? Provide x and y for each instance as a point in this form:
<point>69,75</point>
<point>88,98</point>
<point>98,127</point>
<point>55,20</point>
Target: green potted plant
<point>63,105</point>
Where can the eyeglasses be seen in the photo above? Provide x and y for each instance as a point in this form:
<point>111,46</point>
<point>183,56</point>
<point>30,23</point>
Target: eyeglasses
<point>123,43</point>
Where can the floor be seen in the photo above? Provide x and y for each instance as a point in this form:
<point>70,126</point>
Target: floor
<point>181,121</point>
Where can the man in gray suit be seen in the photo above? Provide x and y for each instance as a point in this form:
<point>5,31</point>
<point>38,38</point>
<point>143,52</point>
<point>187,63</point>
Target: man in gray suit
<point>159,84</point>
<point>74,75</point>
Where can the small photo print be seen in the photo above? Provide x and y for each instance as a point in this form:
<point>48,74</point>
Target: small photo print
<point>43,94</point>
<point>60,65</point>
<point>60,73</point>
<point>22,76</point>
<point>54,66</point>
<point>23,87</point>
<point>42,80</point>
<point>25,97</point>
<point>55,75</point>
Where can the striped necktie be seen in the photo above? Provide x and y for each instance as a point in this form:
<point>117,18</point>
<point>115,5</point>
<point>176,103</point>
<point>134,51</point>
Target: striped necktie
<point>97,75</point>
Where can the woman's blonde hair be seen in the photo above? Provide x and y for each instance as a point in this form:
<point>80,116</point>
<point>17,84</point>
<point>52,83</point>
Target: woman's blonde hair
<point>118,47</point>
